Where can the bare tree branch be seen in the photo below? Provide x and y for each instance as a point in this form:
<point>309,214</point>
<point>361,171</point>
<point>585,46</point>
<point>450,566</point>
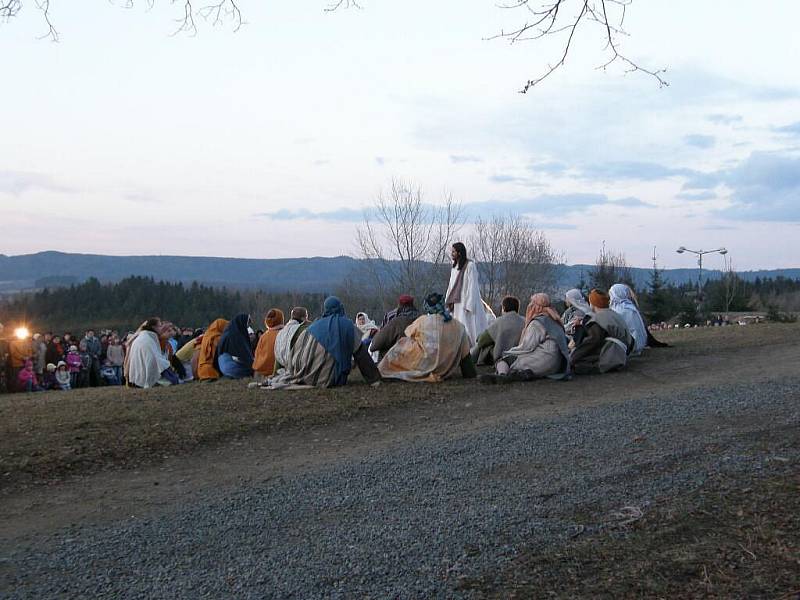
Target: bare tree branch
<point>9,8</point>
<point>344,4</point>
<point>405,240</point>
<point>44,6</point>
<point>549,20</point>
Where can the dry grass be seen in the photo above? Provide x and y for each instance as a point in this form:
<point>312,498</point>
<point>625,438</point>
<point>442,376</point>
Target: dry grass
<point>723,541</point>
<point>49,435</point>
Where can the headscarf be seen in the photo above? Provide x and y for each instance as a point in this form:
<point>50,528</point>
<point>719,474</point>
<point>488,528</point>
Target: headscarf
<point>274,319</point>
<point>574,297</point>
<point>336,333</point>
<point>621,296</point>
<point>368,327</point>
<point>598,298</point>
<point>235,340</point>
<point>264,361</point>
<point>434,305</point>
<point>623,303</point>
<point>540,305</point>
<point>206,369</point>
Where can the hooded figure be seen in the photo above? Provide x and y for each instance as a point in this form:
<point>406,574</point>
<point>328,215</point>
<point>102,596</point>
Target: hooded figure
<point>234,352</point>
<point>264,363</point>
<point>577,309</point>
<point>62,376</point>
<point>434,347</point>
<point>542,350</point>
<point>207,368</point>
<point>323,354</point>
<point>622,303</point>
<point>145,361</point>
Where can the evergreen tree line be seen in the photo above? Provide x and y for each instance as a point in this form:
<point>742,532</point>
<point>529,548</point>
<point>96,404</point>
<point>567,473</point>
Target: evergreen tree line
<point>125,304</point>
<point>693,303</point>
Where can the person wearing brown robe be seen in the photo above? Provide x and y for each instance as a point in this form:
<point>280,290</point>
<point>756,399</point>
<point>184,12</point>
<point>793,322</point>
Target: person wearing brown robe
<point>395,326</point>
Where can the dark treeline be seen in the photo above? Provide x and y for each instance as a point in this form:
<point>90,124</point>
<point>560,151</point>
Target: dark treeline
<point>124,305</point>
<point>778,297</point>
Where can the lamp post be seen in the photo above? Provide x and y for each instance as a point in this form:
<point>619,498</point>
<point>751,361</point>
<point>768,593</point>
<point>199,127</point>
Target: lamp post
<point>699,254</point>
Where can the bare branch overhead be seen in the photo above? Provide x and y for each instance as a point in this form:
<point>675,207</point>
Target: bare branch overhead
<point>563,18</point>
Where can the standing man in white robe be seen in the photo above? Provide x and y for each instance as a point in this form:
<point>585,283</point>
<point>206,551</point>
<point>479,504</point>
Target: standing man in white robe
<point>464,294</point>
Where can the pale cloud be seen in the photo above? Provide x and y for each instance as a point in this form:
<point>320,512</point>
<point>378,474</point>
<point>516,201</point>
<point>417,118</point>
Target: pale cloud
<point>766,187</point>
<point>458,159</point>
<point>723,119</point>
<point>698,140</point>
<point>17,183</point>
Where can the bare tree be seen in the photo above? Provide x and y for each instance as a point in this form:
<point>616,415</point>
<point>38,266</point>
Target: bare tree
<point>563,18</point>
<point>215,12</point>
<point>731,282</point>
<point>404,240</point>
<point>513,258</point>
<point>610,268</point>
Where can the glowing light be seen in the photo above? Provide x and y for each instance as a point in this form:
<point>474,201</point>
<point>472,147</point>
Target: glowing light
<point>22,333</point>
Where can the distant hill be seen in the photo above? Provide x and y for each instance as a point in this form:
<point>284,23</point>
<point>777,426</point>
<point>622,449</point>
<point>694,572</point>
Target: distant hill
<point>317,274</point>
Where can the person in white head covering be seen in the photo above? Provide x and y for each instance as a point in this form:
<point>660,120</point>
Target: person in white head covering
<point>623,304</point>
<point>577,309</point>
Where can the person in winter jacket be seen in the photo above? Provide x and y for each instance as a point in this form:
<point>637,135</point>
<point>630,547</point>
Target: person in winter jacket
<point>87,362</point>
<point>94,349</point>
<point>49,378</point>
<point>55,350</point>
<point>39,349</point>
<point>115,356</point>
<point>74,366</point>
<point>26,378</point>
<point>63,376</point>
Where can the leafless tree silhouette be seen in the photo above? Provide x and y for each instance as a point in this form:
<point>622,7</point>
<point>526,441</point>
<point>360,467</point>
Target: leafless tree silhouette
<point>513,258</point>
<point>217,12</point>
<point>563,18</point>
<point>405,241</point>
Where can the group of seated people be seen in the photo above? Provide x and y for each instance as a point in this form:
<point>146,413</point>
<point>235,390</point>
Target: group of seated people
<point>597,334</point>
<point>593,335</point>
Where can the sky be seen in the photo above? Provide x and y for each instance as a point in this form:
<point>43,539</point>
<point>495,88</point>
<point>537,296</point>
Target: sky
<point>270,141</point>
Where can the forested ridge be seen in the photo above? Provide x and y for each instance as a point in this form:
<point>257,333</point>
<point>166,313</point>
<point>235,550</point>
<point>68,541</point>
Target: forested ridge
<point>125,304</point>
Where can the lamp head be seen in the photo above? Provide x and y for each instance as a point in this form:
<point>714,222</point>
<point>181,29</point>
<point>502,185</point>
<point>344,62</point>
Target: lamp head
<point>723,251</point>
<point>681,250</point>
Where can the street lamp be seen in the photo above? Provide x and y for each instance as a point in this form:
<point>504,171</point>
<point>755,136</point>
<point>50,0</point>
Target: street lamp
<point>700,254</point>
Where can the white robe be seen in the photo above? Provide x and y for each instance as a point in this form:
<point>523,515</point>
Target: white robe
<point>624,306</point>
<point>146,361</point>
<point>470,311</point>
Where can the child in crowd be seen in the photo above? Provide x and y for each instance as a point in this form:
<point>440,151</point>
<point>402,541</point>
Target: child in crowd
<point>26,378</point>
<point>115,356</point>
<point>109,375</point>
<point>49,378</point>
<point>63,376</point>
<point>74,365</point>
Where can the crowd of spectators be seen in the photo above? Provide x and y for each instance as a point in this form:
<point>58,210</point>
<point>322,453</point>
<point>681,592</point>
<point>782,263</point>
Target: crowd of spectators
<point>50,361</point>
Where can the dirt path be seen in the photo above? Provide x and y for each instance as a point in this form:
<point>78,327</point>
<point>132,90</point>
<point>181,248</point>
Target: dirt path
<point>118,494</point>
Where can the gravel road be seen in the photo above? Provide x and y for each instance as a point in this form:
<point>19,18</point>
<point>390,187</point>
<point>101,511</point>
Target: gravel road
<point>411,521</point>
